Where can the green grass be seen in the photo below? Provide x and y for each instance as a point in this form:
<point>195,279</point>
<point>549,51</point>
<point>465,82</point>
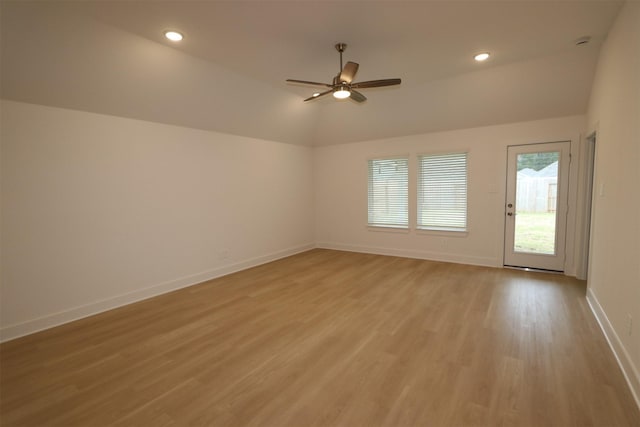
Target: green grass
<point>535,232</point>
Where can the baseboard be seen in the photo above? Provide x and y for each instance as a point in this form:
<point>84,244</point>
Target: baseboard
<point>405,253</point>
<point>21,329</point>
<point>629,370</point>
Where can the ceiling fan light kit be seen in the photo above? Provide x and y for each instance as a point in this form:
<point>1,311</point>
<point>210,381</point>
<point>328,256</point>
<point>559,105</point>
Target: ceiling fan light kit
<point>342,93</point>
<point>343,85</point>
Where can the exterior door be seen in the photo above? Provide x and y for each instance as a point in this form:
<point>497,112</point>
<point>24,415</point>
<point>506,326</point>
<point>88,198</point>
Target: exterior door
<point>536,205</point>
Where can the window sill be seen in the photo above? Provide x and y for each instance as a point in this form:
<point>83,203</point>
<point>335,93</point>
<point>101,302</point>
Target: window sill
<point>446,233</point>
<point>379,228</point>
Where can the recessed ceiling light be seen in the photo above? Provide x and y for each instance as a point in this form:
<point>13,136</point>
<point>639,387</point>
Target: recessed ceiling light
<point>174,36</point>
<point>316,94</point>
<point>482,56</point>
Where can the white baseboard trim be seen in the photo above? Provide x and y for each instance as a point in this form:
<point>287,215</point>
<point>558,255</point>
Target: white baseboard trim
<point>29,327</point>
<point>629,370</point>
<point>405,253</point>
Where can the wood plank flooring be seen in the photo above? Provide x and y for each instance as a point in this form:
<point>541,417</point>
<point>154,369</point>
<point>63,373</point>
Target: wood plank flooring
<point>328,338</point>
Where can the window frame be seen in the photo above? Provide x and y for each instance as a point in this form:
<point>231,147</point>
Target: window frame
<point>399,228</point>
<point>450,231</point>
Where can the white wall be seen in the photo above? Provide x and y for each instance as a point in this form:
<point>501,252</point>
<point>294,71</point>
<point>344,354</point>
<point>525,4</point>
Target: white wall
<point>99,211</point>
<point>614,265</point>
<point>341,191</point>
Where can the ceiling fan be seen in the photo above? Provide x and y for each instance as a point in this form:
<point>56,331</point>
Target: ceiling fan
<point>343,85</point>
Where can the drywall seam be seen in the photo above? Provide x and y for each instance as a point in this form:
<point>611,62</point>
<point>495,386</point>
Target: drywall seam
<point>25,328</point>
<point>629,371</point>
<point>408,253</point>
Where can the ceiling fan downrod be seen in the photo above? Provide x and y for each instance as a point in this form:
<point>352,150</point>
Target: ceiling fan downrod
<point>341,47</point>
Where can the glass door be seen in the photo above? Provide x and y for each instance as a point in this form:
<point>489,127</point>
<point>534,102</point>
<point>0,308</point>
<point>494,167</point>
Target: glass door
<point>536,205</point>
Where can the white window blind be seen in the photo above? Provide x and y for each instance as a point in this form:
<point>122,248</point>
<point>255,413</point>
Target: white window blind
<point>389,193</point>
<point>442,192</point>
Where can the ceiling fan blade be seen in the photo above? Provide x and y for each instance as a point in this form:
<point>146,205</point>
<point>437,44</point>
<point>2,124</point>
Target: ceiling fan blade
<point>304,82</point>
<point>349,72</point>
<point>376,83</point>
<point>311,98</point>
<point>357,96</point>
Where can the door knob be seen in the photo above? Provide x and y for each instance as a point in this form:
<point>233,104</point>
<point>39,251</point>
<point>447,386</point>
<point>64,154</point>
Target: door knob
<point>510,205</point>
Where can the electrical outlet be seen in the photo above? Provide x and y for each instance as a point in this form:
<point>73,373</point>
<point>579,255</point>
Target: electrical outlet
<point>629,324</point>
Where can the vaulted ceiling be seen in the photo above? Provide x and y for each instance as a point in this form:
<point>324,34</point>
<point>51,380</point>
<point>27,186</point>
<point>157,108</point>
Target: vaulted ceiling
<point>229,72</point>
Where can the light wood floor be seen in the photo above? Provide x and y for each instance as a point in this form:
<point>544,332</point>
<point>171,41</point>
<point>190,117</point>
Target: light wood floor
<point>329,338</point>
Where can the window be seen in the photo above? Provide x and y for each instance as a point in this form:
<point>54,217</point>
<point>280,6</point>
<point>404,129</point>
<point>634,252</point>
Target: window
<point>389,193</point>
<point>442,192</point>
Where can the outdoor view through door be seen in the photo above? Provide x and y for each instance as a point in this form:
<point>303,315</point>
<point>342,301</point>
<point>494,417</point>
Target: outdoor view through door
<point>536,200</point>
<point>536,205</point>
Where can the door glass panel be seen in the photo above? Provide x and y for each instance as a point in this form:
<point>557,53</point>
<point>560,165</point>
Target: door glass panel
<point>536,202</point>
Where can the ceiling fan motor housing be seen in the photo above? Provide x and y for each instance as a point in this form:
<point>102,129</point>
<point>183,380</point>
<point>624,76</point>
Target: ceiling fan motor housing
<point>337,82</point>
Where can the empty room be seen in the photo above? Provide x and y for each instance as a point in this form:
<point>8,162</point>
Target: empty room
<point>320,213</point>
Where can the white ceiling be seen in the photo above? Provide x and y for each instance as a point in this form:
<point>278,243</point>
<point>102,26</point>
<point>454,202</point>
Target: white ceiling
<point>229,73</point>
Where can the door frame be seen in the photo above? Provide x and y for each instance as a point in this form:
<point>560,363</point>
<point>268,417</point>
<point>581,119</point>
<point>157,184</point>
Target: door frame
<point>588,193</point>
<point>556,262</point>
